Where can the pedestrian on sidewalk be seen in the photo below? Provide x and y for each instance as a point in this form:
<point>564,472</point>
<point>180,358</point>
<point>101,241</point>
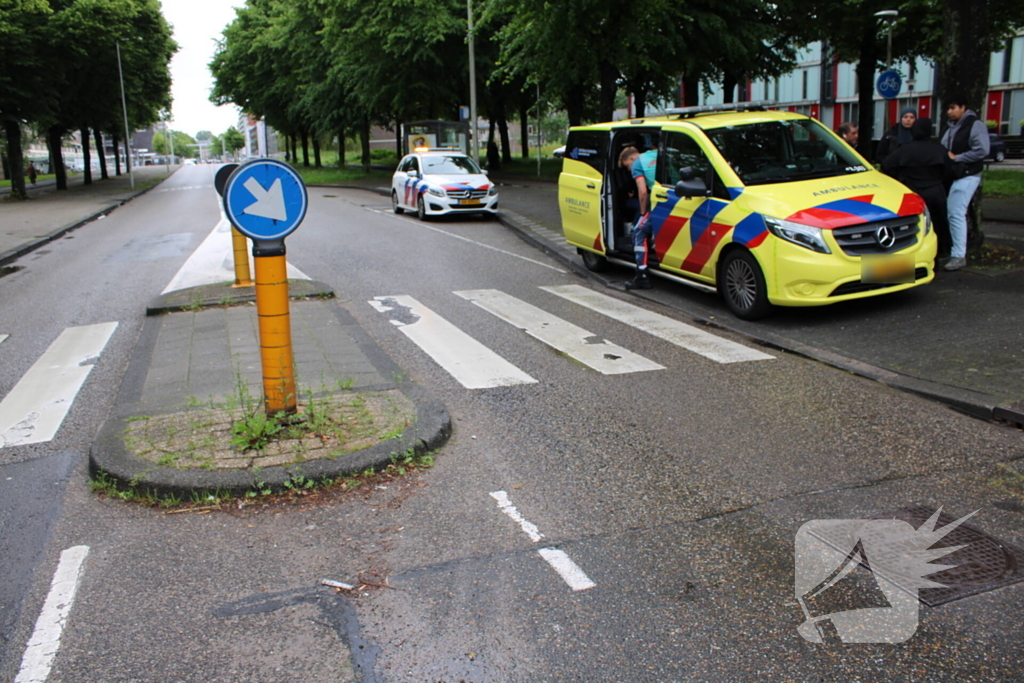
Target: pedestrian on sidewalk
<point>31,173</point>
<point>922,165</point>
<point>898,135</point>
<point>968,144</point>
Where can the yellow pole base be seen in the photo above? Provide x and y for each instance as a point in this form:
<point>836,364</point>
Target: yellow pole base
<point>275,334</point>
<point>240,247</point>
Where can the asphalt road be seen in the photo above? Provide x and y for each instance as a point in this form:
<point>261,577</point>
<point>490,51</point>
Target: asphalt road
<point>675,492</point>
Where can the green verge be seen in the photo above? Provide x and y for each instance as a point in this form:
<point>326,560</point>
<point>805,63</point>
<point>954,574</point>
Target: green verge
<point>1003,183</point>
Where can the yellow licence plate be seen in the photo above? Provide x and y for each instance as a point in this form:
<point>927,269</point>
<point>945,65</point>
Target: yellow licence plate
<point>890,269</point>
<point>468,202</point>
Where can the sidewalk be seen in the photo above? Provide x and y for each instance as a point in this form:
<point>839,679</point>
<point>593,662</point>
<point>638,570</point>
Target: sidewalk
<point>48,214</point>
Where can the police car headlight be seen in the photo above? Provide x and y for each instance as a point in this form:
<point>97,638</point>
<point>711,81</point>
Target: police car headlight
<point>806,236</point>
<point>927,221</point>
<point>437,192</point>
<point>493,192</point>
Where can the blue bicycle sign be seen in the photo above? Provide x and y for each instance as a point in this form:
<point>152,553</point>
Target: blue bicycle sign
<point>889,84</point>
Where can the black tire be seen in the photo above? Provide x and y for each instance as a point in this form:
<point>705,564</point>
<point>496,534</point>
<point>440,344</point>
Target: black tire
<point>594,262</point>
<point>421,209</point>
<point>394,203</point>
<point>741,283</point>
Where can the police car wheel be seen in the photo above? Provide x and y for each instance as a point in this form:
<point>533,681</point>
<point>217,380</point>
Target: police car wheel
<point>594,262</point>
<point>421,209</point>
<point>742,284</point>
<point>394,203</point>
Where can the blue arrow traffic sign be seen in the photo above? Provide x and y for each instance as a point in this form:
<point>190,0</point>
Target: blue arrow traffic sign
<point>889,84</point>
<point>265,199</point>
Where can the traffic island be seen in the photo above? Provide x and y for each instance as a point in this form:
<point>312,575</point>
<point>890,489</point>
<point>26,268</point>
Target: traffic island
<point>227,449</point>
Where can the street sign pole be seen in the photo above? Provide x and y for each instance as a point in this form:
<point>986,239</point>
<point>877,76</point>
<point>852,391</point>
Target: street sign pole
<point>266,200</point>
<point>239,245</point>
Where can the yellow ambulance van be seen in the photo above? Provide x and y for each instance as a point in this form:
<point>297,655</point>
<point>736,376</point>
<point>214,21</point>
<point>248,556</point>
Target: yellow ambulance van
<point>768,208</point>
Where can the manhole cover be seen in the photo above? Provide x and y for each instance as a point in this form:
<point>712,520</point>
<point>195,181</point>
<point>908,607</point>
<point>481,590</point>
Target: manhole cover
<point>984,564</point>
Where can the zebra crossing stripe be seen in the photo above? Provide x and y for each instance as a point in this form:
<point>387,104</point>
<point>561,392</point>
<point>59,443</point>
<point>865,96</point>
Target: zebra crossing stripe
<point>3,336</point>
<point>686,336</point>
<point>471,363</point>
<point>575,342</point>
<point>35,408</point>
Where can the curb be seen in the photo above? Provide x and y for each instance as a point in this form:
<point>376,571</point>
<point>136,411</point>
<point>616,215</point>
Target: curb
<point>28,247</point>
<point>225,294</point>
<point>109,455</point>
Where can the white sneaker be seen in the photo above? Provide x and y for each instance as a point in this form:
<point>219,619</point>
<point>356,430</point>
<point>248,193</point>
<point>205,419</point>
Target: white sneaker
<point>955,263</point>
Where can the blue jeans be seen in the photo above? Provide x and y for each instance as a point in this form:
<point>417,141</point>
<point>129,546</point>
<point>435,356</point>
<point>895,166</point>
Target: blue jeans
<point>643,240</point>
<point>960,195</point>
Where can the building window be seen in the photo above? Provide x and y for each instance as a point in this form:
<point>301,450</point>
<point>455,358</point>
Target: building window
<point>804,87</point>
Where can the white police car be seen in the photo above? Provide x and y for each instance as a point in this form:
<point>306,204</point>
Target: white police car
<point>437,182</point>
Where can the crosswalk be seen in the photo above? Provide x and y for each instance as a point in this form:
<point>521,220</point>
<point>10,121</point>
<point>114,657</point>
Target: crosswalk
<point>475,366</point>
<point>35,408</point>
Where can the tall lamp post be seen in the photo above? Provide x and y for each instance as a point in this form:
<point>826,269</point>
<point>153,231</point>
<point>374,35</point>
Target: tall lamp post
<point>890,16</point>
<point>472,85</point>
<point>127,134</point>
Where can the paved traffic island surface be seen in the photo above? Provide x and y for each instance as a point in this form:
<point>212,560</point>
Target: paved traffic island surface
<point>189,416</point>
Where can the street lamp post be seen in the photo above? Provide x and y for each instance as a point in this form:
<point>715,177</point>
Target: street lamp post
<point>472,84</point>
<point>890,16</point>
<point>127,134</point>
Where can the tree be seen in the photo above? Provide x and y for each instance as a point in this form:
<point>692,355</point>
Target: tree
<point>25,92</point>
<point>232,140</point>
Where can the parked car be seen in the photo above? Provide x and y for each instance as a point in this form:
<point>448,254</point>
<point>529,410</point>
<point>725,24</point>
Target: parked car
<point>438,182</point>
<point>996,148</point>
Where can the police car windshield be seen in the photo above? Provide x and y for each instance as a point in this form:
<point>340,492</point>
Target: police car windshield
<point>784,151</point>
<point>449,165</point>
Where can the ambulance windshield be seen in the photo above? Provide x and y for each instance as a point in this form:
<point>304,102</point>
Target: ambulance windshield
<point>784,151</point>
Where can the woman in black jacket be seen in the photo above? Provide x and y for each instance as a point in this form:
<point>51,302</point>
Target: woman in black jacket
<point>922,165</point>
<point>897,135</point>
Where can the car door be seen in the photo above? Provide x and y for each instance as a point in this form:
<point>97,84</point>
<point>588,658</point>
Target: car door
<point>579,187</point>
<point>686,234</point>
<point>410,190</point>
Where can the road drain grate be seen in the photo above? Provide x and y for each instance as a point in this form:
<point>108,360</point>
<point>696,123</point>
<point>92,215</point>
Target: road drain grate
<point>984,564</point>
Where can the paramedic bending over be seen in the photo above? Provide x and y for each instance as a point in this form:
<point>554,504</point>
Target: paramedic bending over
<point>643,237</point>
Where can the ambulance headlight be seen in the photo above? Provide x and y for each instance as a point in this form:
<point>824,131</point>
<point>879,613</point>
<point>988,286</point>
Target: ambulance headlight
<point>927,221</point>
<point>437,191</point>
<point>805,236</point>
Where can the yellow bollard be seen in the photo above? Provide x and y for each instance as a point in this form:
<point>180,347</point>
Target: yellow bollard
<point>240,244</point>
<point>275,334</point>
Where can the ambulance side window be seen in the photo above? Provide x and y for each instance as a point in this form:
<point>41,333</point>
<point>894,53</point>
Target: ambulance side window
<point>682,151</point>
<point>588,146</point>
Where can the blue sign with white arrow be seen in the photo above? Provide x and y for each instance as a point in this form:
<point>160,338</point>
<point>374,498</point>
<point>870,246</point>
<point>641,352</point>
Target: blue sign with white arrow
<point>265,199</point>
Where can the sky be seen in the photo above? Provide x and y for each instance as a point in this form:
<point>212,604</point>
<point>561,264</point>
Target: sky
<point>197,25</point>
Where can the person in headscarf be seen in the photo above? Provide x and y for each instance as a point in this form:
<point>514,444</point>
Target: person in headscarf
<point>922,165</point>
<point>897,135</point>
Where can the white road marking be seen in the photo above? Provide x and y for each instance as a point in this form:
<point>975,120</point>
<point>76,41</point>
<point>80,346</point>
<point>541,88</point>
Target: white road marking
<point>599,354</point>
<point>683,335</point>
<point>460,237</point>
<point>471,363</point>
<point>558,559</point>
<point>567,569</point>
<point>3,336</point>
<point>45,641</point>
<point>34,409</point>
<point>213,262</point>
<point>529,528</point>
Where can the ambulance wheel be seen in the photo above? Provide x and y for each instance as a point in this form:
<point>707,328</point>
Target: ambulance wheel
<point>421,209</point>
<point>394,203</point>
<point>594,262</point>
<point>741,283</point>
